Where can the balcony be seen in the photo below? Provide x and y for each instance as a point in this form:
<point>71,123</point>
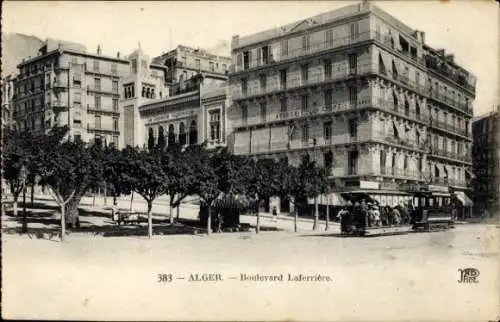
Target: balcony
<point>313,49</point>
<point>449,101</point>
<point>314,79</point>
<point>434,151</point>
<point>100,130</point>
<point>100,90</point>
<point>60,105</point>
<point>456,75</point>
<point>59,85</point>
<point>388,106</point>
<point>440,125</point>
<point>402,173</point>
<point>102,111</point>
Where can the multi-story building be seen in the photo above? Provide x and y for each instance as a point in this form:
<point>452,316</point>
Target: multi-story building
<point>194,110</point>
<point>7,96</point>
<point>196,115</point>
<point>185,62</point>
<point>486,162</point>
<point>66,85</point>
<point>363,94</point>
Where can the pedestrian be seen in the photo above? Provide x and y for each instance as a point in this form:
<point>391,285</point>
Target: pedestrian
<point>454,212</point>
<point>396,216</point>
<point>376,216</point>
<point>114,213</point>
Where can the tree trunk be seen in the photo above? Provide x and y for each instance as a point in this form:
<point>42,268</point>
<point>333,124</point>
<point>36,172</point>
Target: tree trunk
<point>72,212</point>
<point>327,217</point>
<point>150,219</point>
<point>171,209</point>
<point>316,214</point>
<point>295,218</point>
<point>105,194</point>
<point>209,220</point>
<point>257,228</point>
<point>93,199</point>
<point>114,200</point>
<point>131,200</point>
<point>178,211</point>
<point>14,204</point>
<point>25,215</point>
<point>63,222</point>
<point>32,196</point>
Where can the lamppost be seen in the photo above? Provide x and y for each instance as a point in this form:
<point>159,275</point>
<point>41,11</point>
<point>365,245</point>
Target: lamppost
<point>23,175</point>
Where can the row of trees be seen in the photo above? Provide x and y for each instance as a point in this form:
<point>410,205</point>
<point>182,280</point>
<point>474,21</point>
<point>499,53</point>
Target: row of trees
<point>70,169</point>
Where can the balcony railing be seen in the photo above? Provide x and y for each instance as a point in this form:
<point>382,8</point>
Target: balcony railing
<point>103,111</point>
<point>314,48</point>
<point>450,155</point>
<point>401,172</point>
<point>448,127</point>
<point>388,106</point>
<point>314,78</point>
<point>99,89</point>
<point>448,100</point>
<point>95,129</point>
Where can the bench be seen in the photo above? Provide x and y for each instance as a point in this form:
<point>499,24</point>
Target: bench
<point>127,217</point>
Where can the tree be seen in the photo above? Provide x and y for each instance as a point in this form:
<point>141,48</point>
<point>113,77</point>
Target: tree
<point>261,181</point>
<point>115,166</point>
<point>181,175</point>
<point>303,182</point>
<point>161,139</point>
<point>68,170</point>
<point>147,177</point>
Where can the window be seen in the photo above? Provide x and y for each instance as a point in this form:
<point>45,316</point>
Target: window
<point>354,31</point>
<point>352,162</point>
<point>304,73</point>
<point>115,140</point>
<point>134,65</point>
<point>77,123</point>
<point>393,163</point>
<point>328,159</point>
<point>244,86</point>
<point>383,156</point>
<point>113,68</point>
<point>97,122</point>
<point>77,97</point>
<point>353,96</point>
<point>211,66</point>
<point>327,130</point>
<point>114,86</point>
<point>353,63</point>
<point>77,80</point>
<point>405,163</point>
<point>283,78</point>
<point>115,104</point>
<point>306,42</point>
<point>96,65</point>
<point>305,133</point>
<point>353,128</point>
<point>283,104</point>
<point>263,111</point>
<point>97,101</point>
<point>328,98</point>
<point>77,137</point>
<point>97,83</point>
<point>263,82</point>
<point>327,68</point>
<point>304,102</point>
<point>395,101</point>
<point>265,54</point>
<point>417,78</point>
<point>239,60</point>
<point>244,114</point>
<point>329,38</point>
<point>284,47</point>
<point>115,124</point>
<point>247,58</point>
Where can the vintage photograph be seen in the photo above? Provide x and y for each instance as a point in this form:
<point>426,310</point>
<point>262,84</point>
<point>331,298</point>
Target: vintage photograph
<point>250,160</point>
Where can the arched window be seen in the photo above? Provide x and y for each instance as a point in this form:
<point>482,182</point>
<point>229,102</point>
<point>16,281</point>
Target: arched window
<point>171,135</point>
<point>161,137</point>
<point>436,171</point>
<point>182,134</point>
<point>193,133</point>
<point>151,138</point>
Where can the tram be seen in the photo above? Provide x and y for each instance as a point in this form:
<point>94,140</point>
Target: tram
<point>426,210</point>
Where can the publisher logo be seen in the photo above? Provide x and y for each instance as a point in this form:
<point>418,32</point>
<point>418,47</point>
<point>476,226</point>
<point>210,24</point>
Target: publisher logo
<point>468,275</point>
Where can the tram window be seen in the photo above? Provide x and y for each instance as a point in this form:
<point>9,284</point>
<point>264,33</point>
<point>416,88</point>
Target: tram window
<point>431,202</point>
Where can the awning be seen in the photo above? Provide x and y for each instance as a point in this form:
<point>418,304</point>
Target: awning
<point>332,199</point>
<point>464,199</point>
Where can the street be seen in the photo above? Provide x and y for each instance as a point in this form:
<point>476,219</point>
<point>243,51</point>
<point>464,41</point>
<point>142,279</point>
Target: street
<point>406,277</point>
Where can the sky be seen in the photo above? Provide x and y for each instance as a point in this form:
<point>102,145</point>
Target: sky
<point>469,29</point>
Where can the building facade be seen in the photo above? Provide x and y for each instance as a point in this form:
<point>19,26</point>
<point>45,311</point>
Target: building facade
<point>184,62</point>
<point>363,94</point>
<point>90,93</point>
<point>486,162</point>
<point>7,96</point>
<point>193,116</point>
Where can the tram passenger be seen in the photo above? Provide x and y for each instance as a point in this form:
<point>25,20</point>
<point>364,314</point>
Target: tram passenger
<point>376,216</point>
<point>384,216</point>
<point>396,216</point>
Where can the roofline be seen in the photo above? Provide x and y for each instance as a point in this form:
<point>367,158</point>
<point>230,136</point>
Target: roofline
<point>62,51</point>
<point>169,99</point>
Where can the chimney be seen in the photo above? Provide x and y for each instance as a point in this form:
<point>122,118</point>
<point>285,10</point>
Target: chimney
<point>450,58</point>
<point>99,49</point>
<point>235,40</point>
<point>118,55</point>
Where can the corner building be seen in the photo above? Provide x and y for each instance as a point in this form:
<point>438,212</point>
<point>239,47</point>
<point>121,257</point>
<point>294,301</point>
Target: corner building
<point>360,92</point>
